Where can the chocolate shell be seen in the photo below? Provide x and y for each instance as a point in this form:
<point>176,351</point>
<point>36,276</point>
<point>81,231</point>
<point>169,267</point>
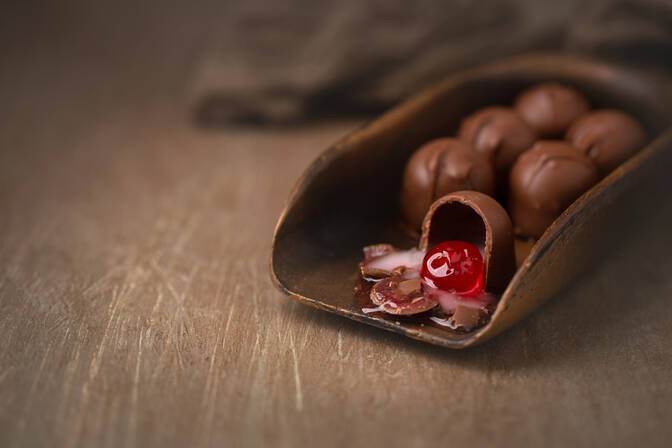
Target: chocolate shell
<point>544,182</point>
<point>477,219</point>
<point>550,108</point>
<point>440,167</point>
<point>608,137</point>
<point>500,134</point>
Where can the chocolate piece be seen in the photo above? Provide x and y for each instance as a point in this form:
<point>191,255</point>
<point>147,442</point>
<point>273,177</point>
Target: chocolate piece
<point>477,219</point>
<point>550,108</point>
<point>440,167</point>
<point>465,317</point>
<point>383,260</point>
<point>374,252</point>
<point>544,182</point>
<point>408,287</point>
<point>377,250</point>
<point>448,301</point>
<point>396,295</point>
<point>500,134</point>
<point>608,137</point>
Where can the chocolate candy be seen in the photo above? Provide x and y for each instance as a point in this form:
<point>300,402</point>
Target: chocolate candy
<point>608,137</point>
<point>440,167</point>
<point>500,134</point>
<point>544,182</point>
<point>478,219</point>
<point>550,108</point>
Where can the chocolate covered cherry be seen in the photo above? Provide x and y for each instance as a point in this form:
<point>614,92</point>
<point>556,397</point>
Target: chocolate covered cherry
<point>550,108</point>
<point>500,134</point>
<point>608,137</point>
<point>439,167</point>
<point>454,266</point>
<point>545,181</point>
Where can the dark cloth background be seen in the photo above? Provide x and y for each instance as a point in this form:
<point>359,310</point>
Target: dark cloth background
<point>287,62</point>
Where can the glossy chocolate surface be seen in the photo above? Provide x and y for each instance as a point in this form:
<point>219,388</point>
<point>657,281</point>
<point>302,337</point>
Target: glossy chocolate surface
<point>440,167</point>
<point>499,133</point>
<point>400,296</point>
<point>608,137</point>
<point>550,108</point>
<point>544,181</point>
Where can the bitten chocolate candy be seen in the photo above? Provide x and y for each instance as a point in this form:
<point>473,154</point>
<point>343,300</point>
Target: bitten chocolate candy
<point>499,133</point>
<point>544,182</point>
<point>550,108</point>
<point>440,167</point>
<point>477,219</point>
<point>608,137</point>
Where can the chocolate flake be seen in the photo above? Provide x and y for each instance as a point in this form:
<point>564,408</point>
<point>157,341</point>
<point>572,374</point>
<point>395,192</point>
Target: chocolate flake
<point>383,260</point>
<point>395,295</point>
<point>465,317</point>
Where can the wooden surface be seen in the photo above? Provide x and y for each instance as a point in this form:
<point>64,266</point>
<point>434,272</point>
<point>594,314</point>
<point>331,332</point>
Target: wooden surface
<point>136,307</point>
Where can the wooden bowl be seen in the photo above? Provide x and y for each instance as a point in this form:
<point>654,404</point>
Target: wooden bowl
<point>349,196</point>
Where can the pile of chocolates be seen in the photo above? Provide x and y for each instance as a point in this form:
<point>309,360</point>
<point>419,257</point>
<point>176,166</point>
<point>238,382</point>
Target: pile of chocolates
<point>534,158</point>
<point>538,156</point>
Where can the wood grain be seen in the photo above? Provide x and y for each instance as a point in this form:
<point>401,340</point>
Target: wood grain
<point>136,307</point>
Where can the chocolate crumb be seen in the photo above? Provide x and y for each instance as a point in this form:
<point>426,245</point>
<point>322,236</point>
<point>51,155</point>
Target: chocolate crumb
<point>377,250</point>
<point>395,295</point>
<point>465,317</point>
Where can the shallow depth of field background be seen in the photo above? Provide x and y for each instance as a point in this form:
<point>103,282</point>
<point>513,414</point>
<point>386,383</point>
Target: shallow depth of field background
<point>146,149</point>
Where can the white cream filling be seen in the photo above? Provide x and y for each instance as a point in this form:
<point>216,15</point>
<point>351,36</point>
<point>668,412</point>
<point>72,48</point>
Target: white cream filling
<point>448,301</point>
<point>411,259</point>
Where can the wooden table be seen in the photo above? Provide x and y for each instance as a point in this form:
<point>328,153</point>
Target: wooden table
<point>136,307</point>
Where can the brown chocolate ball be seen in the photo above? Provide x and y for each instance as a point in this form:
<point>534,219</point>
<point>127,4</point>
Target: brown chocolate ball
<point>499,133</point>
<point>544,181</point>
<point>550,108</point>
<point>608,137</point>
<point>440,167</point>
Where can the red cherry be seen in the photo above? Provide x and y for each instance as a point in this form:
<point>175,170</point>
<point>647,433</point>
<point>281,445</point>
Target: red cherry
<point>454,266</point>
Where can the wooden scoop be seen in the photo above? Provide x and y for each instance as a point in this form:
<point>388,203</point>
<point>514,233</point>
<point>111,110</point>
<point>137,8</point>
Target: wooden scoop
<point>349,197</point>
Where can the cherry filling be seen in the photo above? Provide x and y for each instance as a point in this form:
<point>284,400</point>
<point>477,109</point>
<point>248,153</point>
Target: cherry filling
<point>455,267</point>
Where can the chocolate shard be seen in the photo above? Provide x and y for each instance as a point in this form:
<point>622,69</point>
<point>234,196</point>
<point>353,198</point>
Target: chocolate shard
<point>408,287</point>
<point>377,250</point>
<point>466,318</point>
<point>477,219</point>
<point>384,260</point>
<point>397,295</point>
<point>374,252</point>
